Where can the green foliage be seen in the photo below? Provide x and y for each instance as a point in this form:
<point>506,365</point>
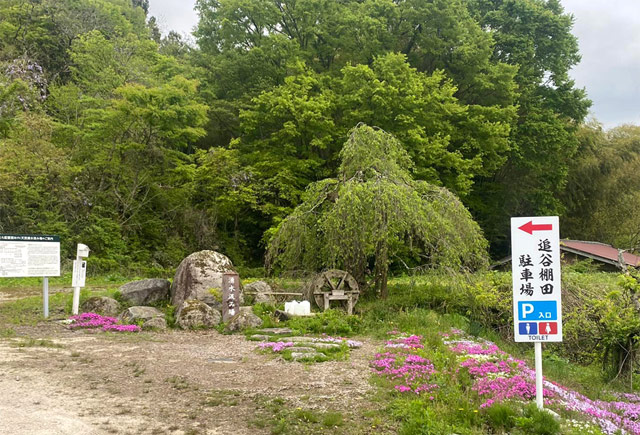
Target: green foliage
<point>331,322</point>
<point>376,212</point>
<point>501,416</point>
<point>537,422</point>
<point>606,208</point>
<point>619,326</point>
<point>282,418</point>
<point>105,136</point>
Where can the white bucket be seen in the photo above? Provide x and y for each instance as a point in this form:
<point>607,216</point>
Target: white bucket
<point>296,308</point>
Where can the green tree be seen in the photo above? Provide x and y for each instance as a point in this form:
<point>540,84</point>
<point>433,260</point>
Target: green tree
<point>291,134</point>
<point>373,213</point>
<point>606,208</point>
<point>535,36</point>
<point>45,30</point>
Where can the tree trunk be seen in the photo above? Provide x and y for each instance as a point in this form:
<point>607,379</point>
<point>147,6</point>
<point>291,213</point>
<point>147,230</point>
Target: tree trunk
<point>382,269</point>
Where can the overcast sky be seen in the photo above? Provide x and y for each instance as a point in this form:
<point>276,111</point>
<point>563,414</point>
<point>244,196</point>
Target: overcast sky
<point>609,36</point>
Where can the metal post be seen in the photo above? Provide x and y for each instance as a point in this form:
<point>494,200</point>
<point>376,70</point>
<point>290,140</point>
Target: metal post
<point>45,296</point>
<point>539,396</point>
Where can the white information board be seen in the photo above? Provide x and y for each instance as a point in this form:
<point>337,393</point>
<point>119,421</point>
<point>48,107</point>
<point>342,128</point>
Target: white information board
<point>535,262</point>
<point>29,255</point>
<point>79,273</point>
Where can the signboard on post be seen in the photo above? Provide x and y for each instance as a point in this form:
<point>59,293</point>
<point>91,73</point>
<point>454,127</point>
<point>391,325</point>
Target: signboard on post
<point>23,256</point>
<point>230,295</point>
<point>535,261</point>
<point>79,273</point>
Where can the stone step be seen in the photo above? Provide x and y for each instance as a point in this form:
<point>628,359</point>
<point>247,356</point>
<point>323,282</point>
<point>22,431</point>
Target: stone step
<point>276,331</point>
<point>324,346</point>
<point>306,356</point>
<point>260,337</point>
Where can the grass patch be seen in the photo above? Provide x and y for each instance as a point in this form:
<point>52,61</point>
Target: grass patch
<point>35,342</point>
<point>180,383</point>
<point>222,398</point>
<point>276,415</point>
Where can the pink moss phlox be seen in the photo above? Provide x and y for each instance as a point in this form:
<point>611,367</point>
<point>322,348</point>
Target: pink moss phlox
<point>402,388</point>
<point>471,348</point>
<point>275,346</point>
<point>96,321</point>
<point>411,371</point>
<point>511,378</point>
<point>89,320</point>
<point>411,342</point>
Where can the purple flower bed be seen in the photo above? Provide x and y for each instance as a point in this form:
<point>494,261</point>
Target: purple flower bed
<point>275,346</point>
<point>401,364</point>
<point>498,377</point>
<point>95,321</point>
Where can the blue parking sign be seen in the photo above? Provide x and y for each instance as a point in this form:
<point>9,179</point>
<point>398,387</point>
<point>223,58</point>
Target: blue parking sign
<point>537,310</point>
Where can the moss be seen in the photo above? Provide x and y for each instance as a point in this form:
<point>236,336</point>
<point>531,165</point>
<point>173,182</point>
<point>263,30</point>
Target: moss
<point>217,293</point>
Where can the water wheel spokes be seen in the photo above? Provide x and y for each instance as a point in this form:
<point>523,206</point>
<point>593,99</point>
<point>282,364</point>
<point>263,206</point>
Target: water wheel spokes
<point>336,282</point>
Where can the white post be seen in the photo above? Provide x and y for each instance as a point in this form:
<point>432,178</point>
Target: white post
<point>76,290</point>
<point>45,296</point>
<point>539,396</point>
<point>79,275</point>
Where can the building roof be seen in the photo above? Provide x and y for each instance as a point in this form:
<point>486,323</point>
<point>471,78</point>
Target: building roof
<point>595,250</point>
<point>598,251</point>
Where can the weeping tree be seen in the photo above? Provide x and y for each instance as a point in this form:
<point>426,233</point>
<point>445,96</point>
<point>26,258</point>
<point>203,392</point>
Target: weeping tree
<point>375,213</point>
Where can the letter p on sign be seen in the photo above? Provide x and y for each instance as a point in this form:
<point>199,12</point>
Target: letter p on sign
<point>526,309</point>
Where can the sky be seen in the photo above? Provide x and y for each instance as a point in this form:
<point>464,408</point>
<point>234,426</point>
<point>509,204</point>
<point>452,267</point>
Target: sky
<point>608,32</point>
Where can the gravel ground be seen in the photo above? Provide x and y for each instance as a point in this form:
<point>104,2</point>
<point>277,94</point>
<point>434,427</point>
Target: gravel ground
<point>57,381</point>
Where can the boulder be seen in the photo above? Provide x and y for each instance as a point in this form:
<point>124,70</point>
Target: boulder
<point>199,276</point>
<point>101,305</point>
<point>155,323</point>
<point>262,298</point>
<point>140,314</point>
<point>196,314</point>
<point>145,291</point>
<point>260,289</point>
<point>243,320</point>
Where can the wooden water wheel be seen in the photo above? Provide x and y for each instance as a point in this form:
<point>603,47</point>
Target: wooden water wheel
<point>334,285</point>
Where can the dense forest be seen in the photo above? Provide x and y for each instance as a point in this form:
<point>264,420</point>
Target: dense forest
<point>147,147</point>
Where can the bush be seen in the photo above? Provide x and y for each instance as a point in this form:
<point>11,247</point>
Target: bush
<point>537,422</point>
<point>332,322</point>
<point>501,416</point>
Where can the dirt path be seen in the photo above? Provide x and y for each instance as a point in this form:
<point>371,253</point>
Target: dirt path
<point>156,383</point>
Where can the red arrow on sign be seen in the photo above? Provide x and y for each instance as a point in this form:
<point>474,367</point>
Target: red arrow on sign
<point>529,227</point>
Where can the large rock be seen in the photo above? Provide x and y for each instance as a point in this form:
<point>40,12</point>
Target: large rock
<point>261,290</point>
<point>199,277</point>
<point>145,291</point>
<point>101,305</point>
<point>195,314</point>
<point>243,320</point>
<point>258,287</point>
<point>140,314</point>
<point>155,323</point>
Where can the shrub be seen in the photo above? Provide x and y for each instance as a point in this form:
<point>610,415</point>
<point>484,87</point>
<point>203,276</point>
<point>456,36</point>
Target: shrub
<point>538,422</point>
<point>331,322</point>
